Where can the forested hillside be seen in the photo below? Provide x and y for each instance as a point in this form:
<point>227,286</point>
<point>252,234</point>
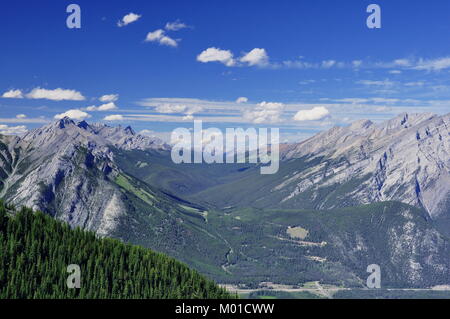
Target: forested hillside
<point>35,251</point>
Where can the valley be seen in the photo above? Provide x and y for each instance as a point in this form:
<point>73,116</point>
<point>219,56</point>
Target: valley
<point>342,200</point>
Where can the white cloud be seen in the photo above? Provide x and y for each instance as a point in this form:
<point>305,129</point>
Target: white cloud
<point>170,108</point>
<point>127,19</point>
<point>257,57</point>
<point>175,26</point>
<point>55,95</point>
<point>242,99</point>
<point>433,65</point>
<point>306,82</point>
<point>104,107</point>
<point>116,117</point>
<point>73,114</point>
<point>12,130</point>
<point>160,37</point>
<point>383,109</point>
<point>402,62</point>
<point>107,107</point>
<point>315,114</point>
<point>40,120</point>
<point>109,98</point>
<point>353,100</point>
<point>21,116</point>
<point>188,117</point>
<point>216,55</point>
<point>384,100</point>
<point>13,94</point>
<point>328,64</point>
<point>415,84</point>
<point>384,83</point>
<point>265,112</point>
<point>395,72</point>
<point>297,64</point>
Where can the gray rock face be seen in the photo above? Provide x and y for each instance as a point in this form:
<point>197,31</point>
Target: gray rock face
<point>68,167</point>
<point>405,159</point>
<point>406,247</point>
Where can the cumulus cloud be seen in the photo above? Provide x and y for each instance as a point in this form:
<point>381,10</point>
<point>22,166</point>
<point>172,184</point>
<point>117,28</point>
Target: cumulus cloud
<point>257,57</point>
<point>265,112</point>
<point>74,114</point>
<point>109,98</point>
<point>315,114</point>
<point>21,116</point>
<point>241,99</point>
<point>127,19</point>
<point>13,94</point>
<point>107,107</point>
<point>216,55</point>
<point>102,108</point>
<point>116,117</point>
<point>55,95</point>
<point>160,37</point>
<point>175,26</point>
<point>12,130</point>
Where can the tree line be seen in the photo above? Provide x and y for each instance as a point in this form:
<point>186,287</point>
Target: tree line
<point>36,249</point>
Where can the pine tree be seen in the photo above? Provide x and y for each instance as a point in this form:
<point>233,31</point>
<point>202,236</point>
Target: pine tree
<point>35,251</point>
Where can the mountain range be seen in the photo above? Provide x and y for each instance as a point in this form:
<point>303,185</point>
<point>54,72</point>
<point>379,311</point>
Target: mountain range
<point>343,199</point>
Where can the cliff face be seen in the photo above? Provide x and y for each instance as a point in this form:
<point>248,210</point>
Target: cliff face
<point>405,159</point>
<point>67,169</point>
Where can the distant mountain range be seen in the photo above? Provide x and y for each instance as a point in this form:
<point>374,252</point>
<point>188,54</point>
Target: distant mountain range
<point>362,194</point>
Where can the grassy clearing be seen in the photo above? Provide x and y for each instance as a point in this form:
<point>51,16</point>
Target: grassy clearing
<point>124,182</point>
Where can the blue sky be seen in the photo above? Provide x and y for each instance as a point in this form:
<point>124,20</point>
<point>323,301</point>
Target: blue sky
<point>303,66</point>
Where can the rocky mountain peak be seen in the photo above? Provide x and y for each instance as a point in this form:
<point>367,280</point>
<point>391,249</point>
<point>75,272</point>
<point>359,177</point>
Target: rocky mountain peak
<point>406,159</point>
<point>64,122</point>
<point>83,124</point>
<point>66,131</point>
<point>361,125</point>
<point>129,130</point>
<point>406,120</point>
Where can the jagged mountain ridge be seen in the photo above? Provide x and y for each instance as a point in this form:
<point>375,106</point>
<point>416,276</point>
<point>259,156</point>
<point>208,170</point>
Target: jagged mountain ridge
<point>405,159</point>
<point>67,169</point>
<point>72,171</point>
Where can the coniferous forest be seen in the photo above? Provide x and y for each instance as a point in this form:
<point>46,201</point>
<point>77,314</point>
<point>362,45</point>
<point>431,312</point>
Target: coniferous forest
<point>35,251</point>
